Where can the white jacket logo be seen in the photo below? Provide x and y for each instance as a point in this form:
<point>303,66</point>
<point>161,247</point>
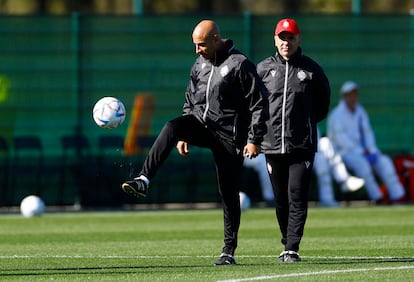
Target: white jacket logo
<point>273,73</point>
<point>224,71</point>
<point>269,168</point>
<point>301,75</point>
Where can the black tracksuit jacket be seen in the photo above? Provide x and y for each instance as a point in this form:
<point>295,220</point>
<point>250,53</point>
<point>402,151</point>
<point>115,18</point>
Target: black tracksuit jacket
<point>228,97</point>
<point>299,97</point>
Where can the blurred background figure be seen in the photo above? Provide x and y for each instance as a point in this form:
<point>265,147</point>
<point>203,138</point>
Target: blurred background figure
<point>351,134</point>
<point>328,165</point>
<point>259,165</point>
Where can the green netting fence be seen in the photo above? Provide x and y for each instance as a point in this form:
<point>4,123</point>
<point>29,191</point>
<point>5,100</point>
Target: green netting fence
<point>53,69</point>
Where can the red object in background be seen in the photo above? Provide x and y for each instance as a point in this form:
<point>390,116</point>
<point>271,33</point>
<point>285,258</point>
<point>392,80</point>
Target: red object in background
<point>404,165</point>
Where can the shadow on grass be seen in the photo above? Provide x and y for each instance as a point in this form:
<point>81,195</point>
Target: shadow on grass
<point>354,260</point>
<point>107,270</point>
<point>121,270</point>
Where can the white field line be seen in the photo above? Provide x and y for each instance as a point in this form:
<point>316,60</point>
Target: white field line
<point>183,256</point>
<point>267,277</point>
<point>256,278</point>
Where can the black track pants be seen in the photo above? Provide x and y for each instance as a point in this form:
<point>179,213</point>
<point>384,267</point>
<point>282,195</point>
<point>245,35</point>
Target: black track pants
<point>290,175</point>
<point>228,160</point>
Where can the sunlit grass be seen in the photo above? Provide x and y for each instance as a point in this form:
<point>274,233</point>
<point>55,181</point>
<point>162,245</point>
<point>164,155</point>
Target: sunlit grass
<point>372,243</point>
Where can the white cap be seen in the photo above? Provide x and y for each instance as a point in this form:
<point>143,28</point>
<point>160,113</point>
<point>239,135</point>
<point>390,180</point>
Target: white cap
<point>348,86</point>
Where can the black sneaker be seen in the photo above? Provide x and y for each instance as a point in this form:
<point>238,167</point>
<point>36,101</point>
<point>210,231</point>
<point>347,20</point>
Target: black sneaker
<point>289,256</point>
<point>136,187</point>
<point>225,259</point>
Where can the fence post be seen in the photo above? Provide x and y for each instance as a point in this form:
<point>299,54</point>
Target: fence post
<point>138,7</point>
<point>76,70</point>
<point>412,61</point>
<point>247,22</point>
<point>356,7</point>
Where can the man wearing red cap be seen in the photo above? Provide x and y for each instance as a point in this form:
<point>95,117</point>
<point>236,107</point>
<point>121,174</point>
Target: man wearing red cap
<point>299,97</point>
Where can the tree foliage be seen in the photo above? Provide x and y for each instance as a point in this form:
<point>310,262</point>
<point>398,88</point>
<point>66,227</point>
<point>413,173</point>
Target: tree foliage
<point>260,7</point>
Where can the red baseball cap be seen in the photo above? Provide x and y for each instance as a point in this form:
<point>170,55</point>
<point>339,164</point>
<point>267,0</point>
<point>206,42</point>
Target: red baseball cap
<point>288,25</point>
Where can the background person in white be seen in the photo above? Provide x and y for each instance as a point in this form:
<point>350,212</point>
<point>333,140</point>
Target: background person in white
<point>351,134</point>
<point>259,165</point>
<point>329,166</point>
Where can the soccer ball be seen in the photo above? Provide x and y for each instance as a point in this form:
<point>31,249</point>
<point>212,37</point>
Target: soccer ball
<point>244,201</point>
<point>109,112</point>
<point>32,206</point>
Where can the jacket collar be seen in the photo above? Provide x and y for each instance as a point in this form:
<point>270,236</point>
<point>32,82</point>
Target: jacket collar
<point>223,53</point>
<point>295,58</point>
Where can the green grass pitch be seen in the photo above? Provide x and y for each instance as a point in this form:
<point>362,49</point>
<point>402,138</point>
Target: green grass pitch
<point>343,244</point>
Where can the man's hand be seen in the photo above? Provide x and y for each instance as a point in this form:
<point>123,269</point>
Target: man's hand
<point>251,150</point>
<point>182,148</point>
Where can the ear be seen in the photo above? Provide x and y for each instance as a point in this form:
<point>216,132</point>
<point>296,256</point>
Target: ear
<point>300,39</point>
<point>216,38</point>
<point>275,38</point>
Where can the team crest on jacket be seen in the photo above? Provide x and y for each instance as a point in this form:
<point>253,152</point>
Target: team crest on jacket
<point>203,65</point>
<point>224,71</point>
<point>301,75</point>
<point>273,73</point>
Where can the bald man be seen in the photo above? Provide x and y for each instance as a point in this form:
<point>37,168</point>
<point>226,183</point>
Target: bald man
<point>225,110</point>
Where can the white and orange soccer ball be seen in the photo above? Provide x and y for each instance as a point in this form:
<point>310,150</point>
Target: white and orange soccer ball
<point>109,112</point>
